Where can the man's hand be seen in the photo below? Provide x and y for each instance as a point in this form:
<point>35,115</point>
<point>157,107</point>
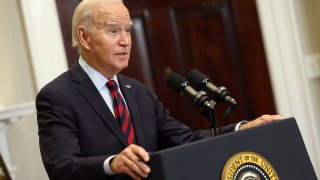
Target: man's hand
<point>131,161</point>
<point>264,119</point>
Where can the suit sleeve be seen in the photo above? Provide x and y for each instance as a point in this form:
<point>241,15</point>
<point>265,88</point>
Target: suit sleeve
<point>58,141</point>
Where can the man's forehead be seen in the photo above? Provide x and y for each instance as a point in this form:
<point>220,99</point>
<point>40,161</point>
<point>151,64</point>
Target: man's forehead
<point>112,16</point>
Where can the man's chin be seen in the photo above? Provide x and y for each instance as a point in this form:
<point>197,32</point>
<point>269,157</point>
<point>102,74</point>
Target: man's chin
<point>123,67</point>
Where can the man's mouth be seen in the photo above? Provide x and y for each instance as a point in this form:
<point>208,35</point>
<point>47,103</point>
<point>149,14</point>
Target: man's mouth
<point>121,54</point>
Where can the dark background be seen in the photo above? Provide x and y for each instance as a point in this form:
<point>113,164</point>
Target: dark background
<point>221,38</point>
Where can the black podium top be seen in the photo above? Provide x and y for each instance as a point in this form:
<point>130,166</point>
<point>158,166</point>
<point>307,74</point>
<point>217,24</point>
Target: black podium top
<point>280,143</point>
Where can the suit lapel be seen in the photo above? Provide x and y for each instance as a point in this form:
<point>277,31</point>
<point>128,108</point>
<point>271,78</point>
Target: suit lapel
<point>91,94</point>
<point>128,90</point>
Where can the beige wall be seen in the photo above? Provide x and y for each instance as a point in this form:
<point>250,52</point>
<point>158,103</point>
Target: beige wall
<point>26,65</point>
<point>16,75</point>
<point>17,86</point>
<point>31,54</point>
<point>308,19</point>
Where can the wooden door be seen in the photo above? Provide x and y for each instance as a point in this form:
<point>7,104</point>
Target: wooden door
<point>221,38</point>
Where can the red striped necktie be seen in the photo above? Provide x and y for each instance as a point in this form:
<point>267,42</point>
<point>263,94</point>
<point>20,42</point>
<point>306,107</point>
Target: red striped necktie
<point>121,112</point>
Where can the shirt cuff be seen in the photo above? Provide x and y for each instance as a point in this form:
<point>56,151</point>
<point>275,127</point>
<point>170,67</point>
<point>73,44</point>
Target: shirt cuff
<point>106,166</point>
<point>237,127</point>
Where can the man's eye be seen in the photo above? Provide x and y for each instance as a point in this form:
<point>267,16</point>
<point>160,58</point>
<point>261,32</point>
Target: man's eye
<point>128,30</point>
<point>113,31</point>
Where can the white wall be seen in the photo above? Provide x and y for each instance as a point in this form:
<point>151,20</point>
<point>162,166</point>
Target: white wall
<point>17,86</point>
<point>31,54</point>
<point>290,34</point>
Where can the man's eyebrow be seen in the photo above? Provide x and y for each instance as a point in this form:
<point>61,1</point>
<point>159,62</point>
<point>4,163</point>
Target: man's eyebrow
<point>113,24</point>
<point>110,23</point>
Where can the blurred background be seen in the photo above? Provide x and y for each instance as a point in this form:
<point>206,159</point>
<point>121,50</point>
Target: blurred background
<point>266,52</point>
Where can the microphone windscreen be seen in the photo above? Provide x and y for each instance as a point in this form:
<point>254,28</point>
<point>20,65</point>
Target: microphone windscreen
<point>196,78</point>
<point>176,82</point>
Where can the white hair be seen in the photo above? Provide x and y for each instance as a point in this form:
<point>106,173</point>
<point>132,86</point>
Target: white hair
<point>82,16</point>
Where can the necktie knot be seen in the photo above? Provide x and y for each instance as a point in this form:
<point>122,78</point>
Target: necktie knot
<point>112,85</point>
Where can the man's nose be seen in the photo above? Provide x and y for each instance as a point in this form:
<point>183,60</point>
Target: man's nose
<point>125,39</point>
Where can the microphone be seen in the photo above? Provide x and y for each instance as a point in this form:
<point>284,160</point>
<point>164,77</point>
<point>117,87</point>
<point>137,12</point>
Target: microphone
<point>180,84</point>
<point>201,81</point>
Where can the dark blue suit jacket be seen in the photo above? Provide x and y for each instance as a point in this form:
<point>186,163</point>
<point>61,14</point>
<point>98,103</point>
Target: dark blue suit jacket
<point>77,131</point>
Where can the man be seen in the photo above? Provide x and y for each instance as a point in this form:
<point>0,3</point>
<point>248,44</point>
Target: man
<point>89,128</point>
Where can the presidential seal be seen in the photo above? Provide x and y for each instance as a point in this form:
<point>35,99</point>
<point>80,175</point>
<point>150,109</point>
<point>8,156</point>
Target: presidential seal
<point>248,166</point>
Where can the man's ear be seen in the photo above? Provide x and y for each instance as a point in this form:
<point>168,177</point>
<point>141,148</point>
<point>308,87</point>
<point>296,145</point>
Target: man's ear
<point>84,38</point>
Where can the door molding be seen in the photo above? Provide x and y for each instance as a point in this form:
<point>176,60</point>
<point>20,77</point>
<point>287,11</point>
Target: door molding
<point>44,38</point>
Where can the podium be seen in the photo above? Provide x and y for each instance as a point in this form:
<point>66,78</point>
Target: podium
<point>273,151</point>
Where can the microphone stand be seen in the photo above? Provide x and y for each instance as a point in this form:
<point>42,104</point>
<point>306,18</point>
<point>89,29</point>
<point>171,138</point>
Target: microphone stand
<point>210,113</point>
<point>202,101</point>
<point>212,121</point>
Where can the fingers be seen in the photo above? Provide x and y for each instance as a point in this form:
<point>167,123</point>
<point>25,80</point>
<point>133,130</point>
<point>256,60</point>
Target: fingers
<point>135,158</point>
<point>132,161</point>
<point>140,152</point>
<point>129,168</point>
<point>264,119</point>
<point>269,118</point>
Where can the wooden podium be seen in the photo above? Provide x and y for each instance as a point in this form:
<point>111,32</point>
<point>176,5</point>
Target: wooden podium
<point>273,151</point>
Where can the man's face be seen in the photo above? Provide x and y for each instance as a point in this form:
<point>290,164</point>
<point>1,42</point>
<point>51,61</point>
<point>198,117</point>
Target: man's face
<point>109,45</point>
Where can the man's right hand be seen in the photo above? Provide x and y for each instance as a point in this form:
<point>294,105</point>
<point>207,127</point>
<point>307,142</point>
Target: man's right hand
<point>131,161</point>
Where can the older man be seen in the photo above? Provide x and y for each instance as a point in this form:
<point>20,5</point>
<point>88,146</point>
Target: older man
<point>95,123</point>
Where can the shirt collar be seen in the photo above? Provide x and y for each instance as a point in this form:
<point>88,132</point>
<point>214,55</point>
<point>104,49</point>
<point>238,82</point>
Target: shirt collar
<point>96,77</point>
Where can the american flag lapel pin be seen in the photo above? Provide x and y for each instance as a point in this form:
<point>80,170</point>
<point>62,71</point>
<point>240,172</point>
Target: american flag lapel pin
<point>128,86</point>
